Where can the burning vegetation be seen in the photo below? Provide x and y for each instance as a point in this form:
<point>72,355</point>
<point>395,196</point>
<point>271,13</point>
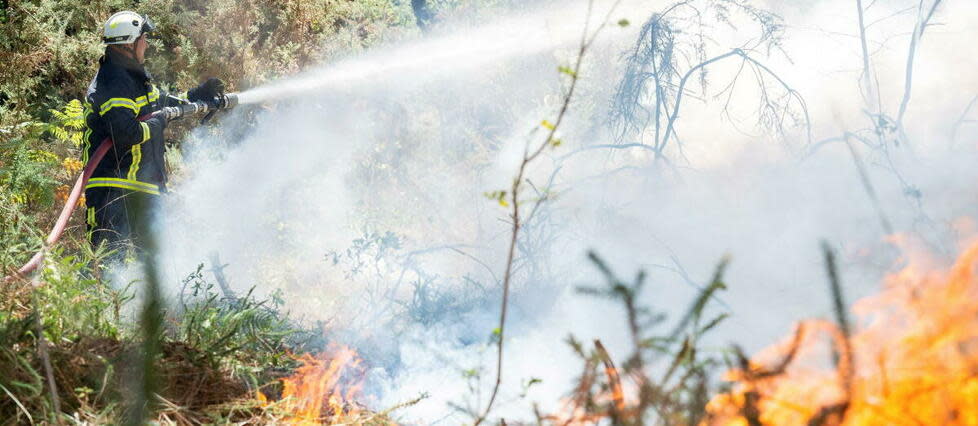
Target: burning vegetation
<point>912,359</point>
<point>321,390</point>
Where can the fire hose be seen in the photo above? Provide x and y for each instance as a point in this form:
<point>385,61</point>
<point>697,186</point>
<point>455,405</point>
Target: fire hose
<point>225,101</point>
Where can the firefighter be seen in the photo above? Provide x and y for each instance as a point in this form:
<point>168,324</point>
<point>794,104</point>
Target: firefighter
<point>127,182</point>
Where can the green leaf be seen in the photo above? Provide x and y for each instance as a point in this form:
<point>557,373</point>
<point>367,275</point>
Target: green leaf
<point>623,23</point>
<point>496,337</point>
<point>497,196</point>
<point>567,70</point>
<point>548,125</point>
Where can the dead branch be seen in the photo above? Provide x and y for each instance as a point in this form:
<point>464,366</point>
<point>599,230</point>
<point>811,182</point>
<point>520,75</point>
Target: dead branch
<point>217,268</point>
<point>832,414</point>
<point>844,365</point>
<point>752,373</point>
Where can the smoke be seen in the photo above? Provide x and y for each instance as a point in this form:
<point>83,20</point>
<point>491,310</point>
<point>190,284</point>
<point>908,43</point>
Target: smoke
<point>360,194</point>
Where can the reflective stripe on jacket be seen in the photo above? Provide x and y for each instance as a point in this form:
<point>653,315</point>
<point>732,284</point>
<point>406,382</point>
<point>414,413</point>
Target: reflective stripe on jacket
<point>121,92</point>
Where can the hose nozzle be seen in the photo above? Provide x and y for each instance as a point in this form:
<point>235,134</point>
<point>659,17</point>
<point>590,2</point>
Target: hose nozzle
<point>225,101</point>
<point>222,101</point>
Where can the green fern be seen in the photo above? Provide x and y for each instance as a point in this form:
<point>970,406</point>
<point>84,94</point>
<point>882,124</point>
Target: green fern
<point>68,124</point>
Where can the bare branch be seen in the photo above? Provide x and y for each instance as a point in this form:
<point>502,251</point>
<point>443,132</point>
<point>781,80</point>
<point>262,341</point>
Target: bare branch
<point>670,126</point>
<point>918,32</point>
<point>867,79</point>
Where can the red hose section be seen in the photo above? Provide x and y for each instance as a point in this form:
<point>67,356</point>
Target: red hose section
<point>67,210</point>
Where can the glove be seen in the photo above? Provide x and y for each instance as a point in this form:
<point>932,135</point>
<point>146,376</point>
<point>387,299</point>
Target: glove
<point>207,90</point>
<point>157,122</point>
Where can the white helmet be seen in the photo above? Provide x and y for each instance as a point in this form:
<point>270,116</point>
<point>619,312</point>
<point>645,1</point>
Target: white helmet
<point>125,27</point>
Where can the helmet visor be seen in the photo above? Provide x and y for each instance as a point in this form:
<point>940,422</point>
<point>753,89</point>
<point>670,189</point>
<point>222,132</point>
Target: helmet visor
<point>148,26</point>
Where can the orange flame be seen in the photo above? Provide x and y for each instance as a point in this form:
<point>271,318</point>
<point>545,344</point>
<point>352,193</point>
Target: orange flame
<point>315,394</point>
<point>915,360</point>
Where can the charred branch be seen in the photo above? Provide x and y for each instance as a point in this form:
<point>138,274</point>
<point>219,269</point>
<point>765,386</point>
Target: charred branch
<point>844,361</point>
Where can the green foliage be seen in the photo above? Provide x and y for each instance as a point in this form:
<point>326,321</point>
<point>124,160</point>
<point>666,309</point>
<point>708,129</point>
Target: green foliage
<point>73,303</point>
<point>68,124</point>
<point>49,49</point>
<point>231,344</point>
<point>249,42</point>
<point>497,196</point>
<point>20,382</point>
<point>65,306</point>
<point>244,335</point>
<point>33,170</point>
<point>27,175</point>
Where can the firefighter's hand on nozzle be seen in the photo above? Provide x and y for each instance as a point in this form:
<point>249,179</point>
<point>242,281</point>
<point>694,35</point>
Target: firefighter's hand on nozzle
<point>207,90</point>
<point>159,120</point>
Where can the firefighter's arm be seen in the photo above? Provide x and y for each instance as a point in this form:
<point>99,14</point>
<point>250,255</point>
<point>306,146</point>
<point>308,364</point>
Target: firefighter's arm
<point>124,128</point>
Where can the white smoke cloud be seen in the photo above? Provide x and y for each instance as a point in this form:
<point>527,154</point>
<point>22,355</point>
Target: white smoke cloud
<point>407,139</point>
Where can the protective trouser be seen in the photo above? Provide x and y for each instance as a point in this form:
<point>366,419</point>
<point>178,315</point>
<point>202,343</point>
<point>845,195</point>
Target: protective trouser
<point>118,218</point>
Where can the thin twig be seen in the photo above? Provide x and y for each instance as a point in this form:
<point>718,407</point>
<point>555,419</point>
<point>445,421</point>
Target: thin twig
<point>614,382</point>
<point>868,185</point>
<point>529,157</point>
<point>961,120</point>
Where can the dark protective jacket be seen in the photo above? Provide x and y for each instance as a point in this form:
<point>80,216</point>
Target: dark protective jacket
<point>121,92</point>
